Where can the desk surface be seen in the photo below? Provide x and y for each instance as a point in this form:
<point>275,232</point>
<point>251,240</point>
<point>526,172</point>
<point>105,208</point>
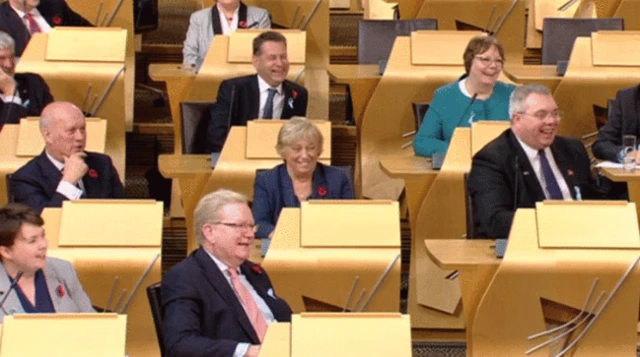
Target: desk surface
<point>619,175</point>
<point>176,166</point>
<point>462,253</point>
<point>164,71</point>
<point>400,166</point>
<point>344,72</point>
<point>519,73</point>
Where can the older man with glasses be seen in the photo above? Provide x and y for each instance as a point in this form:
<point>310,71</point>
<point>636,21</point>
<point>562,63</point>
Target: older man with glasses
<point>216,303</point>
<point>527,163</point>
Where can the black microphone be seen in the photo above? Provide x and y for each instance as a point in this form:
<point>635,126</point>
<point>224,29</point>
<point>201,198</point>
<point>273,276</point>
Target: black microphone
<point>515,189</point>
<point>11,288</point>
<point>466,111</point>
<point>253,25</point>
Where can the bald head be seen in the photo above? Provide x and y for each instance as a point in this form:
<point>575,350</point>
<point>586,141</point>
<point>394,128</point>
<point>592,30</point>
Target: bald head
<point>62,126</point>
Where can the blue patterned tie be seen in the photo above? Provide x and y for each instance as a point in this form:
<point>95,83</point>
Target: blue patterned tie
<point>553,189</point>
<point>268,106</point>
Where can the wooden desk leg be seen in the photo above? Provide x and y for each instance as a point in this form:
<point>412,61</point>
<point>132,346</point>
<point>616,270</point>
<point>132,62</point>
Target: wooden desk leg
<point>416,190</point>
<point>473,284</point>
<point>361,91</point>
<point>191,189</point>
<point>634,195</point>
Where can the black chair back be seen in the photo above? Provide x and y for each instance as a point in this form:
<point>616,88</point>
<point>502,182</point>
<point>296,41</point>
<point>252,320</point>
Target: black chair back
<point>10,198</point>
<point>376,37</point>
<point>558,35</point>
<point>419,111</point>
<point>468,207</point>
<point>194,120</point>
<point>153,294</point>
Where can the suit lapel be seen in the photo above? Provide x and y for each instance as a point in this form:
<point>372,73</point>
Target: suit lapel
<point>218,281</point>
<point>15,23</point>
<point>50,172</point>
<point>55,286</point>
<point>319,180</point>
<point>264,291</point>
<point>91,181</point>
<point>12,305</point>
<point>215,20</point>
<point>565,166</point>
<point>287,105</point>
<point>289,198</point>
<point>254,98</point>
<point>242,16</point>
<point>525,170</point>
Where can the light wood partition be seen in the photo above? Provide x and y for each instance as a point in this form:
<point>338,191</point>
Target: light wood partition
<point>20,143</point>
<point>413,73</point>
<point>307,259</point>
<point>91,79</point>
<point>594,75</point>
<point>530,276</point>
<point>97,266</point>
<point>115,14</point>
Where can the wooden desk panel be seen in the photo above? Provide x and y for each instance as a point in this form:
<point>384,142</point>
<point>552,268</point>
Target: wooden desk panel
<point>362,81</point>
<point>538,74</point>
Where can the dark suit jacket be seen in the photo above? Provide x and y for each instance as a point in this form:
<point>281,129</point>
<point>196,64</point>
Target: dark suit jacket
<point>502,179</point>
<point>202,316</point>
<point>246,106</point>
<point>624,119</point>
<point>35,183</point>
<point>35,95</point>
<point>55,12</point>
<point>273,190</point>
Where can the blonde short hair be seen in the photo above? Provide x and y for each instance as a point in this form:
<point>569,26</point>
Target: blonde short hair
<point>210,206</point>
<point>296,129</point>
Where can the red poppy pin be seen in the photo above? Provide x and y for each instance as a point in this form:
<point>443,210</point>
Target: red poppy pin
<point>322,191</point>
<point>93,173</point>
<point>242,24</point>
<point>294,94</point>
<point>60,291</point>
<point>256,269</point>
<point>57,20</point>
<point>570,172</point>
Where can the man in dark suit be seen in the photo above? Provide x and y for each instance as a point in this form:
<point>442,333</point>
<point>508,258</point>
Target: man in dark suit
<point>64,171</point>
<point>624,119</point>
<point>526,164</point>
<point>216,303</point>
<point>23,18</point>
<point>21,94</point>
<point>265,95</point>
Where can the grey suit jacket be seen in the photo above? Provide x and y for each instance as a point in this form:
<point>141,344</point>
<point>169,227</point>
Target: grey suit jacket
<point>57,272</point>
<point>200,32</point>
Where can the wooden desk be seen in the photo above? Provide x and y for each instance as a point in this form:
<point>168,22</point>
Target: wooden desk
<point>97,267</point>
<point>633,183</point>
<point>192,172</point>
<point>362,80</point>
<point>539,74</point>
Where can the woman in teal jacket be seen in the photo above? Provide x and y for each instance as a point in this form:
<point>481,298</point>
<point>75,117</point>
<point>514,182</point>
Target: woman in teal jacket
<point>478,96</point>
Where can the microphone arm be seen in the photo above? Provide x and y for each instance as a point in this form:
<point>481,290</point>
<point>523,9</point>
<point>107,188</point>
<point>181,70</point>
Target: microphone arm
<point>11,288</point>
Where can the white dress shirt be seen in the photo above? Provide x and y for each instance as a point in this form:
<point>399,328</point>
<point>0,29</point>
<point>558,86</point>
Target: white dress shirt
<point>225,27</point>
<point>44,26</point>
<point>534,160</point>
<point>66,188</point>
<point>242,347</point>
<point>278,98</point>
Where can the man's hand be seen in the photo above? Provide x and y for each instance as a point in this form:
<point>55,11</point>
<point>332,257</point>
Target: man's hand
<point>253,351</point>
<point>7,84</point>
<point>74,167</point>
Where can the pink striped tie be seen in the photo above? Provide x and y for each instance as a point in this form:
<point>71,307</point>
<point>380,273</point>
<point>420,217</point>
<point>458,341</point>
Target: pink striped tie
<point>32,24</point>
<point>250,306</point>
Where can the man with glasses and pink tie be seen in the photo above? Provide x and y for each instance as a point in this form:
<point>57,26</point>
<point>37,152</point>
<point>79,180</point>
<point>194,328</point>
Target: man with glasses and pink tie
<point>526,164</point>
<point>216,303</point>
<point>23,18</point>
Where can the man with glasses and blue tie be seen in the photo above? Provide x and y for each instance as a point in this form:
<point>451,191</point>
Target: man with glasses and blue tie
<point>265,95</point>
<point>216,303</point>
<point>526,164</point>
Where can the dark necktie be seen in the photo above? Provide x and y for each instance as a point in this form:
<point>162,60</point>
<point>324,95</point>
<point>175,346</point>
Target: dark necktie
<point>553,189</point>
<point>268,105</point>
<point>31,23</point>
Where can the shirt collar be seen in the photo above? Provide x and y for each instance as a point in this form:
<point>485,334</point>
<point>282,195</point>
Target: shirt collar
<point>263,86</point>
<point>532,153</point>
<point>59,165</point>
<point>21,13</point>
<point>222,266</point>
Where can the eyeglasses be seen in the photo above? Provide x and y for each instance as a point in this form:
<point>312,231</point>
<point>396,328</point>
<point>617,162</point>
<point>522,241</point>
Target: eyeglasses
<point>244,226</point>
<point>543,114</point>
<point>487,61</point>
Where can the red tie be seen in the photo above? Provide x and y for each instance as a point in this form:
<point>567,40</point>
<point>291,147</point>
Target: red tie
<point>253,312</point>
<point>32,24</point>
